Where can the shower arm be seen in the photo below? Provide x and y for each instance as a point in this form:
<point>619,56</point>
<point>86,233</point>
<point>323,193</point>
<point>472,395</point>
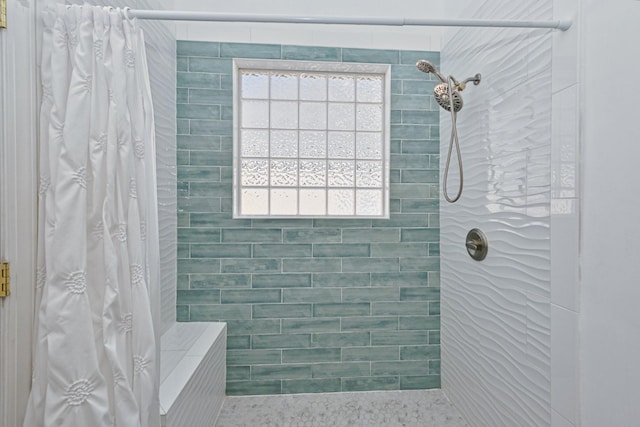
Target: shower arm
<point>460,86</point>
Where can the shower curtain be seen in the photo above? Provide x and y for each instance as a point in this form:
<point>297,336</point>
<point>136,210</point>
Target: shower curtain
<point>95,360</point>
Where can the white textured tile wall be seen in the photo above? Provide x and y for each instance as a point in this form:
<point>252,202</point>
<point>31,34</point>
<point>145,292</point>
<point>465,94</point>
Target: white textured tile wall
<point>496,314</point>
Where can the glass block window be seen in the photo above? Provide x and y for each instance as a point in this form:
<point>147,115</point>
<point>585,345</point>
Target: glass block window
<point>311,139</point>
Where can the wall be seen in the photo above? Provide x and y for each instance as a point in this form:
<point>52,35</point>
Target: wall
<point>592,323</point>
<point>160,40</point>
<point>18,195</point>
<point>609,316</point>
<point>375,37</point>
<point>565,218</point>
<point>312,304</point>
<point>496,314</point>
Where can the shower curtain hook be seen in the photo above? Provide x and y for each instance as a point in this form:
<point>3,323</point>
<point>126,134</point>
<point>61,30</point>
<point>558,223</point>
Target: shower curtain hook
<point>125,12</point>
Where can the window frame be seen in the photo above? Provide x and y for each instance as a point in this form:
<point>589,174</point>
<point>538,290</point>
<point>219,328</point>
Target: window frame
<point>295,66</point>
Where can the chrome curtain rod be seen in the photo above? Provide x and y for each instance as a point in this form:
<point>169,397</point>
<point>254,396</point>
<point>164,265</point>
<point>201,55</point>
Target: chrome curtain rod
<point>170,15</point>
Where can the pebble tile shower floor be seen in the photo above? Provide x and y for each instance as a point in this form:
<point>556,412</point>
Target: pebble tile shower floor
<point>415,408</point>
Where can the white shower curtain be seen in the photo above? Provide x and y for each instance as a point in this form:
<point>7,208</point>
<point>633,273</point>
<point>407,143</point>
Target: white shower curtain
<point>95,354</point>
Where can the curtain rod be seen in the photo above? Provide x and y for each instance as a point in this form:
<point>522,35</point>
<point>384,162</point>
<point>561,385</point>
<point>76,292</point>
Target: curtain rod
<point>170,15</point>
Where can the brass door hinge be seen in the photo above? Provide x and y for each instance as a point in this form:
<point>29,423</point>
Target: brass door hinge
<point>3,13</point>
<point>5,281</point>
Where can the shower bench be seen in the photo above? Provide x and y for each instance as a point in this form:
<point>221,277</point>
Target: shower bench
<point>192,373</point>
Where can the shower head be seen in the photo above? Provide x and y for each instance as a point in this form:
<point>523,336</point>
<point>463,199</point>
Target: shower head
<point>447,96</point>
<point>441,93</point>
<point>428,67</point>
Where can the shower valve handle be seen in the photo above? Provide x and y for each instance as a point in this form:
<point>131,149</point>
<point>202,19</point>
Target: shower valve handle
<point>473,244</point>
<point>477,244</point>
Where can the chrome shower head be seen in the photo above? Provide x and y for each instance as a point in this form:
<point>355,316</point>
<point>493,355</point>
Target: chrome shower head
<point>441,91</point>
<point>428,67</point>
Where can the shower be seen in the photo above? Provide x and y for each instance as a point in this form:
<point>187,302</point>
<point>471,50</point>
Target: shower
<point>447,94</point>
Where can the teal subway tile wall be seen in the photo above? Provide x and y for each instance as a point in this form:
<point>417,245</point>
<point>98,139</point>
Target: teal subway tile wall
<point>311,305</point>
